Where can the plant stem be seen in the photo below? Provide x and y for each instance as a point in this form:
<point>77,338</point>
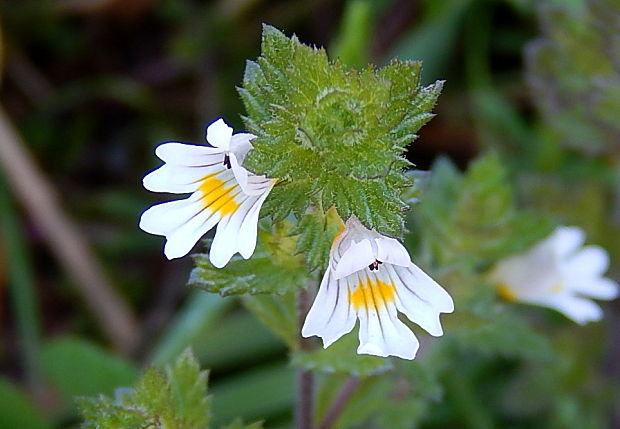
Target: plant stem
<point>305,399</point>
<point>305,378</point>
<point>349,388</point>
<point>22,287</point>
<point>66,240</point>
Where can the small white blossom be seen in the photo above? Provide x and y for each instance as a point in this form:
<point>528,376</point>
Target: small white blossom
<point>559,273</point>
<point>223,193</point>
<point>371,277</point>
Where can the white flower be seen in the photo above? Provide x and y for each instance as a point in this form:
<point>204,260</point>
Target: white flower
<point>223,193</point>
<point>371,277</point>
<point>558,273</point>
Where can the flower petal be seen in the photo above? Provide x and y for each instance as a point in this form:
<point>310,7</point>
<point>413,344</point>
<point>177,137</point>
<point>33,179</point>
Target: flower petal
<point>599,288</point>
<point>219,134</point>
<point>240,145</point>
<point>589,262</point>
<point>580,310</point>
<point>566,240</point>
<point>257,185</point>
<point>357,257</point>
<point>160,219</point>
<point>419,297</point>
<point>241,174</point>
<point>331,315</point>
<point>249,226</point>
<point>227,238</point>
<point>381,332</point>
<point>178,179</point>
<point>188,154</point>
<point>183,222</point>
<point>425,287</point>
<point>183,239</point>
<point>237,232</point>
<point>392,251</point>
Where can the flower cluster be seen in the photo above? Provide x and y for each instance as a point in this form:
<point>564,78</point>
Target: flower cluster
<point>370,276</point>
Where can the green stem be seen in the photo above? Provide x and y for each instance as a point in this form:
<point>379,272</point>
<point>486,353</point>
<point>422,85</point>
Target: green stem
<point>23,294</point>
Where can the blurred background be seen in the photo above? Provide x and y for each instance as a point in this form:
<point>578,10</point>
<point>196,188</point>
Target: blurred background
<point>90,87</point>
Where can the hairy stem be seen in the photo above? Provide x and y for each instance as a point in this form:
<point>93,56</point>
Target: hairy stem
<point>305,378</point>
<point>348,389</point>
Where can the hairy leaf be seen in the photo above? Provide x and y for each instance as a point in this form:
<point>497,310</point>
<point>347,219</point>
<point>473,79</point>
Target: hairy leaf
<point>175,399</point>
<point>334,136</point>
<point>272,269</point>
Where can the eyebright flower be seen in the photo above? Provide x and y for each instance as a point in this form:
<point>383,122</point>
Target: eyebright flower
<point>558,273</point>
<point>223,193</point>
<point>371,277</point>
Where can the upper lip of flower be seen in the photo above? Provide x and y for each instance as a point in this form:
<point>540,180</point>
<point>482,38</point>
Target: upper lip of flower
<point>358,248</point>
<point>225,194</point>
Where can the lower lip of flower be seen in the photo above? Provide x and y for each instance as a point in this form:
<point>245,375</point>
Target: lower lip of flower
<point>217,197</point>
<point>371,294</point>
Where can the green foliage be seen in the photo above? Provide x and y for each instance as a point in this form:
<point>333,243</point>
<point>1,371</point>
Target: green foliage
<point>200,314</point>
<point>174,399</point>
<point>238,424</point>
<point>503,333</point>
<point>17,410</point>
<point>316,233</point>
<point>367,399</point>
<point>255,393</point>
<point>333,136</point>
<point>573,70</point>
<point>473,218</point>
<point>273,268</point>
<point>353,42</point>
<point>188,386</point>
<point>76,367</point>
<point>342,358</point>
<point>277,313</point>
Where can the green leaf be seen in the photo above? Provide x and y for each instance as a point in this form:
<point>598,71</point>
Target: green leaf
<point>333,136</point>
<point>200,314</point>
<point>272,269</point>
<point>238,424</point>
<point>341,357</point>
<point>353,41</point>
<point>277,313</point>
<point>473,218</point>
<point>316,233</point>
<point>76,367</point>
<point>175,399</point>
<point>17,410</point>
<point>189,390</point>
<point>259,392</point>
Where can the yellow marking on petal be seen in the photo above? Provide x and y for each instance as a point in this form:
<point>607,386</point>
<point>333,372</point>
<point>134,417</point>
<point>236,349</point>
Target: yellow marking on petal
<point>371,294</point>
<point>557,288</point>
<point>217,197</point>
<point>507,293</point>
